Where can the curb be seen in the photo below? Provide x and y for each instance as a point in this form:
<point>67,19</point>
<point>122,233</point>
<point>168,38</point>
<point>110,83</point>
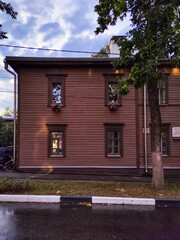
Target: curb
<point>88,201</point>
<point>29,198</point>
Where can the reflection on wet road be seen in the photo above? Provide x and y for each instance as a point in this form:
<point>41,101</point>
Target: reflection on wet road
<point>50,221</point>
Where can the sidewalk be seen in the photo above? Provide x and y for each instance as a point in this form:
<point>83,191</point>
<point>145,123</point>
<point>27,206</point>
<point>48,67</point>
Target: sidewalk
<point>87,201</point>
<point>88,177</point>
<point>67,176</point>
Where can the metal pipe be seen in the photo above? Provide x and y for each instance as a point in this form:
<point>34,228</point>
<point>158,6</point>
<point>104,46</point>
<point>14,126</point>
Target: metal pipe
<point>14,143</point>
<point>145,131</point>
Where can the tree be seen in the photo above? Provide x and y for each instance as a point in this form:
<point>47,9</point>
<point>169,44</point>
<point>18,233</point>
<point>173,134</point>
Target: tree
<point>104,52</point>
<point>6,134</point>
<point>8,9</point>
<point>154,37</point>
<point>8,112</point>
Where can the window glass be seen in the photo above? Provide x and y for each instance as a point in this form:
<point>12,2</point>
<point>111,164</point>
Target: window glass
<point>162,91</point>
<point>113,142</point>
<point>56,93</point>
<point>57,143</point>
<point>164,143</point>
<point>113,96</point>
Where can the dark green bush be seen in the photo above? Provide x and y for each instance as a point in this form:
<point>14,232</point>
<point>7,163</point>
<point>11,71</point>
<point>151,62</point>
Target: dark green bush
<point>12,185</point>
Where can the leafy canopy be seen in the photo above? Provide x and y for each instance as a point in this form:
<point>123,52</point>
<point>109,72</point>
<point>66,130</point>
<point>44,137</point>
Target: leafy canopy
<point>155,36</point>
<point>6,134</point>
<point>104,52</point>
<point>8,9</point>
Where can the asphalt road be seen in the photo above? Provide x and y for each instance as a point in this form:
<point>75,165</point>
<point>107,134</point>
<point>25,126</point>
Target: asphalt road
<point>50,221</point>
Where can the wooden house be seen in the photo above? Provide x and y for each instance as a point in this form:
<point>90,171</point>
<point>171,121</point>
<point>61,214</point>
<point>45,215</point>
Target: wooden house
<point>72,119</point>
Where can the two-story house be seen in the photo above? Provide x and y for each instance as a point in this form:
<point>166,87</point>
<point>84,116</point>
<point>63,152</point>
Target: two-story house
<point>71,117</point>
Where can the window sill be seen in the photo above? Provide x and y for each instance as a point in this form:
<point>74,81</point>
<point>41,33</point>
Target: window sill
<point>163,104</point>
<point>56,156</point>
<point>113,156</point>
<point>116,104</point>
<point>59,104</point>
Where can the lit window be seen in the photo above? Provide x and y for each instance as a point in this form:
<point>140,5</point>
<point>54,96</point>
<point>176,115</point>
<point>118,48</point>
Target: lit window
<point>56,142</point>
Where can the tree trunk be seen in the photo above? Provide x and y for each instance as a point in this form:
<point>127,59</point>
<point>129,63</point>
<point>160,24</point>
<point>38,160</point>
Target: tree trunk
<point>157,166</point>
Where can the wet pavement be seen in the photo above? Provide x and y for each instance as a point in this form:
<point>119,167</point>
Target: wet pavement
<point>50,221</point>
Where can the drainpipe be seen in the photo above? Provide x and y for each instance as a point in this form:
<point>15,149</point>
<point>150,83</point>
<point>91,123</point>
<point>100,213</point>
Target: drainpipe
<point>145,131</point>
<point>14,144</point>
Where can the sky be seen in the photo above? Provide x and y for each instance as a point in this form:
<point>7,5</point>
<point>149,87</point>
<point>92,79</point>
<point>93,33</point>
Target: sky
<point>55,24</point>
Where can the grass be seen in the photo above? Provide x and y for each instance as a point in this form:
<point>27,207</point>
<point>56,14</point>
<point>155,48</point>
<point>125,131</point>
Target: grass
<point>87,188</point>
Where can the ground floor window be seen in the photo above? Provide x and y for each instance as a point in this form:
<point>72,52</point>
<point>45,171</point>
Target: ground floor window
<point>56,143</point>
<point>114,140</point>
<point>56,140</point>
<point>165,144</point>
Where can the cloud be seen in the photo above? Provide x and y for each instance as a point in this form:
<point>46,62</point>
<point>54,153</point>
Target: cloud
<point>21,31</point>
<point>57,24</point>
<point>6,84</point>
<point>51,30</point>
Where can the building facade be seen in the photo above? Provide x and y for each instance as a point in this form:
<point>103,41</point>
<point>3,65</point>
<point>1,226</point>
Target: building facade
<point>71,117</point>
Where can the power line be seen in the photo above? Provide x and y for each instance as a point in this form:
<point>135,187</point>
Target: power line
<point>7,91</point>
<point>51,49</point>
<point>6,77</point>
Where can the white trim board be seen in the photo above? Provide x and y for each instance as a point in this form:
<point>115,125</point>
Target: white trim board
<point>44,167</point>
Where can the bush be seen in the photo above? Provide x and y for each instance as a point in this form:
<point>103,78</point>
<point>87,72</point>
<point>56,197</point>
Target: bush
<point>12,185</point>
<point>6,134</point>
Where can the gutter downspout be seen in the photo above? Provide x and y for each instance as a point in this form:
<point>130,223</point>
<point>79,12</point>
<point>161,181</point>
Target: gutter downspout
<point>145,130</point>
<point>14,143</point>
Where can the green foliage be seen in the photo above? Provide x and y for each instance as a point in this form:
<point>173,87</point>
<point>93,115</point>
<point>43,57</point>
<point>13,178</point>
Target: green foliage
<point>8,112</point>
<point>109,12</point>
<point>155,36</point>
<point>6,134</point>
<point>104,52</point>
<point>12,185</point>
<point>8,9</point>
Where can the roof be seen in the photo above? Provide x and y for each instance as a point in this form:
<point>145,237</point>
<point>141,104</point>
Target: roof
<point>8,118</point>
<point>117,37</point>
<point>18,62</point>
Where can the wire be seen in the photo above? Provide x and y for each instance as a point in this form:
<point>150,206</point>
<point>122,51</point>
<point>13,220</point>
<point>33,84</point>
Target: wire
<point>5,77</point>
<point>51,49</point>
<point>7,91</point>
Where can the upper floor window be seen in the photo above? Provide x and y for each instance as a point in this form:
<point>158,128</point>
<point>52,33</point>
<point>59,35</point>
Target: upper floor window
<point>57,93</point>
<point>163,90</point>
<point>113,140</point>
<point>112,95</point>
<point>56,89</point>
<point>113,92</point>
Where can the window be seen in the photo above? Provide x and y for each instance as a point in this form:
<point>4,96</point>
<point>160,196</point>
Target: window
<point>112,95</point>
<point>113,140</point>
<point>57,143</point>
<point>56,93</point>
<point>56,89</point>
<point>56,140</point>
<point>162,91</point>
<point>165,145</point>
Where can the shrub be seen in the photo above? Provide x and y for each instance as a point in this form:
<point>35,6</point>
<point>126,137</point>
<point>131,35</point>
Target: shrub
<point>12,185</point>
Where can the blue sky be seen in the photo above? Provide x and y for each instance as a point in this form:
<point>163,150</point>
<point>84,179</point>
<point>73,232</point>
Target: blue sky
<point>58,24</point>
